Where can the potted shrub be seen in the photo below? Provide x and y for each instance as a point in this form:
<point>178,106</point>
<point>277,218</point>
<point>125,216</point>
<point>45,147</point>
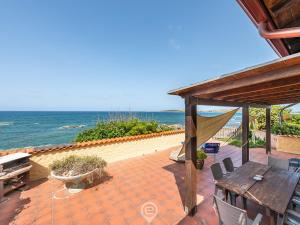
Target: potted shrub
<point>201,156</point>
<point>74,170</point>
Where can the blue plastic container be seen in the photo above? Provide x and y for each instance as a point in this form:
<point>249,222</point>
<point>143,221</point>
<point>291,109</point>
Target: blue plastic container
<point>211,148</point>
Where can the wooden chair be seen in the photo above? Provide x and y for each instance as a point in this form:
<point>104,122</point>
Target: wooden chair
<point>228,164</point>
<point>278,163</point>
<point>231,215</point>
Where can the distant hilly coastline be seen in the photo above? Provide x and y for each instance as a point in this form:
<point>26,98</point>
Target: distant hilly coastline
<point>206,111</point>
<point>173,110</point>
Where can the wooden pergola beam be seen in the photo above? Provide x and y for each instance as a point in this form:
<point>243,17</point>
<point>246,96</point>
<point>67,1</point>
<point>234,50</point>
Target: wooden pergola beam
<point>283,101</point>
<point>272,78</point>
<point>271,97</point>
<point>259,92</point>
<point>248,88</point>
<point>245,134</point>
<point>212,102</point>
<point>277,101</point>
<point>190,156</point>
<point>268,131</point>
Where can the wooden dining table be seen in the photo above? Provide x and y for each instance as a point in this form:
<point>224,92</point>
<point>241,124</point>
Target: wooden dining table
<point>274,191</point>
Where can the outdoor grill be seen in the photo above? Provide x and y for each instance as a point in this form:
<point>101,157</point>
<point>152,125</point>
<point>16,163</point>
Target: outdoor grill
<point>14,172</point>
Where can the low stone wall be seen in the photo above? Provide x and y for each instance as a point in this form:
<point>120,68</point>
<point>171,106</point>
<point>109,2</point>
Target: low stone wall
<point>290,144</point>
<point>111,151</point>
<point>282,143</point>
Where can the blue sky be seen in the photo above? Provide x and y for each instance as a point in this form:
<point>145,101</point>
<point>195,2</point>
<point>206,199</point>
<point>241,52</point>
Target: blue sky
<point>118,55</point>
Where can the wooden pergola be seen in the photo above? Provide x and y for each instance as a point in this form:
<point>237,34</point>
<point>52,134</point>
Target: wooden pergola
<point>272,83</point>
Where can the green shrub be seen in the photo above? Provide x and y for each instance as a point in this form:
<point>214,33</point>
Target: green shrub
<point>120,128</point>
<point>75,165</point>
<point>258,143</point>
<point>201,155</point>
<point>286,129</point>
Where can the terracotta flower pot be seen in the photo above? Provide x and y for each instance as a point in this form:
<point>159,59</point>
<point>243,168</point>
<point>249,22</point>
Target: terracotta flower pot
<point>200,164</point>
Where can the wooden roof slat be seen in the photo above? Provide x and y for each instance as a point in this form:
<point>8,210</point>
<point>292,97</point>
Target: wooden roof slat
<point>267,101</point>
<point>269,96</point>
<point>259,92</point>
<point>199,101</point>
<point>274,65</point>
<point>277,102</point>
<point>269,77</point>
<point>266,84</point>
<point>263,86</point>
<point>283,99</point>
<point>280,102</point>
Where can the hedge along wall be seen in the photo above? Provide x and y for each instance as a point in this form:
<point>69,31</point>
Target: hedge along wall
<point>110,150</point>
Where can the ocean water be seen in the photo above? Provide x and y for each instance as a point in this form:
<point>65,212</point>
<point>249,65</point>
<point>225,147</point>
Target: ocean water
<point>26,129</point>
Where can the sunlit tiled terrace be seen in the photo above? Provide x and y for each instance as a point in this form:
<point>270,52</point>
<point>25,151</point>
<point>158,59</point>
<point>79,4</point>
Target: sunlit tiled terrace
<point>118,199</point>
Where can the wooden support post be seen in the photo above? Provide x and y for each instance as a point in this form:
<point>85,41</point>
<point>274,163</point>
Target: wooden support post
<point>268,130</point>
<point>190,156</point>
<point>1,190</point>
<point>245,135</point>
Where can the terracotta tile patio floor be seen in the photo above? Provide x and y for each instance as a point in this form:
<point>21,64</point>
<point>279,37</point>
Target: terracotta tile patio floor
<point>118,199</point>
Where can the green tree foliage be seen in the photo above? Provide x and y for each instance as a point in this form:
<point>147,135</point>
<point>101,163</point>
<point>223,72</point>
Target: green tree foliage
<point>295,119</point>
<point>120,128</point>
<point>258,116</point>
<point>290,125</point>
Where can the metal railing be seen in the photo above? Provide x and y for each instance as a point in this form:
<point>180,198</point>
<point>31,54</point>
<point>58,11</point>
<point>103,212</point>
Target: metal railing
<point>226,132</point>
